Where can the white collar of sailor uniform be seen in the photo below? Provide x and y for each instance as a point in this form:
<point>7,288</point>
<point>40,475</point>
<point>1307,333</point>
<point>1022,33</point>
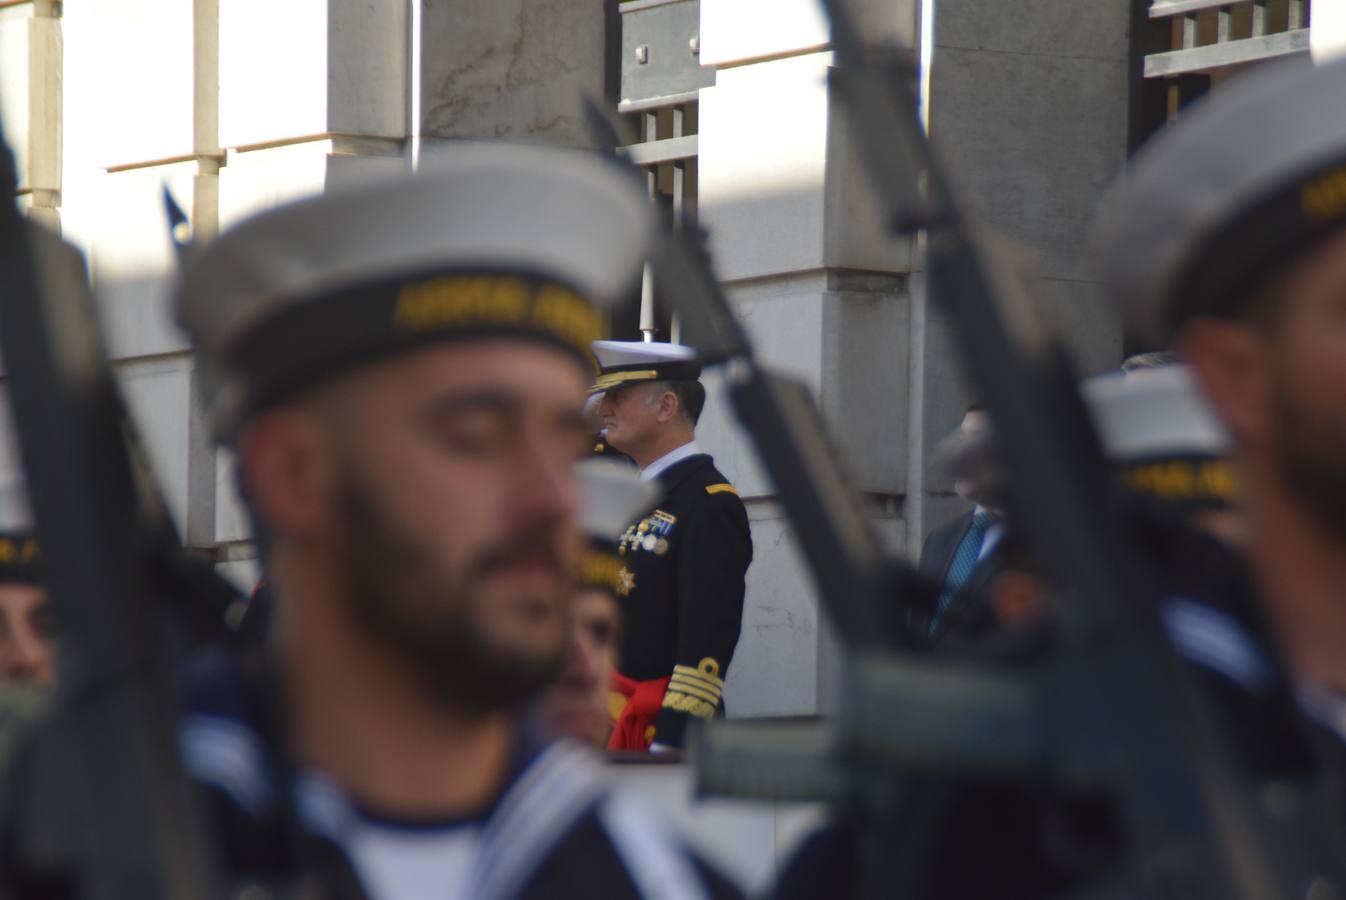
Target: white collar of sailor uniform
<point>670,459</point>
<point>550,795</point>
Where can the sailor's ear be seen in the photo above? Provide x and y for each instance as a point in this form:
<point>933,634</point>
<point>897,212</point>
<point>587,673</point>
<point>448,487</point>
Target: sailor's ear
<point>289,471</point>
<point>1231,360</point>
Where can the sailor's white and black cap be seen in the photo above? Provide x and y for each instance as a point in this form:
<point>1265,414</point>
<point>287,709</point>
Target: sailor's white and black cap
<point>20,556</point>
<point>612,496</point>
<point>1216,204</point>
<point>482,240</point>
<point>1157,428</point>
<point>1154,426</point>
<point>627,362</point>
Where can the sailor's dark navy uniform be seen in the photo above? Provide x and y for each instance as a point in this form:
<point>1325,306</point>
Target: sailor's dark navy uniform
<point>556,829</point>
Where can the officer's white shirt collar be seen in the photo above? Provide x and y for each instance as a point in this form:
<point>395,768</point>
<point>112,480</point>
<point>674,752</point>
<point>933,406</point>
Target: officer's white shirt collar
<point>656,468</point>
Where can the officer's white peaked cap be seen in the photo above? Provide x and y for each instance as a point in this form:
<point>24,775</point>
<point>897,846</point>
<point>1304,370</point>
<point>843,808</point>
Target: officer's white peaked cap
<point>623,362</point>
<point>481,238</point>
<point>1217,202</point>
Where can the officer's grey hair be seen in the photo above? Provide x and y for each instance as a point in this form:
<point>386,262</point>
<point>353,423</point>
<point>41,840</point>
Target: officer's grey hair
<point>691,396</point>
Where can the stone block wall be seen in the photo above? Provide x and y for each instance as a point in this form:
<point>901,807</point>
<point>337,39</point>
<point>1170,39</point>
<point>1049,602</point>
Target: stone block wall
<point>233,107</point>
<point>793,230</point>
<point>236,105</point>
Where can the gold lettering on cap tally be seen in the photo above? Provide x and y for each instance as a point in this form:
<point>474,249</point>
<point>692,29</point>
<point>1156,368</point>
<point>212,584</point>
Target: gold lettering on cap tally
<point>466,300</point>
<point>568,315</point>
<point>1179,480</point>
<point>458,299</point>
<point>603,569</point>
<point>1325,196</point>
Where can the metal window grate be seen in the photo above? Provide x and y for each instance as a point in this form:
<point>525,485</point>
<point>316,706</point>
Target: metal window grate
<point>1182,49</point>
<point>661,79</point>
<point>667,152</point>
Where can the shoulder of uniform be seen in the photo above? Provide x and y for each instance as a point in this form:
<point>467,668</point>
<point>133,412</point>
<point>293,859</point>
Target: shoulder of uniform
<point>711,480</point>
<point>713,484</point>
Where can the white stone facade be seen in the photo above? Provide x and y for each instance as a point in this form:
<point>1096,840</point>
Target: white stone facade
<point>238,104</point>
<point>233,107</point>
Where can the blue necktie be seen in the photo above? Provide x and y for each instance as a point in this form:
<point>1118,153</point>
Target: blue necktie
<point>964,561</point>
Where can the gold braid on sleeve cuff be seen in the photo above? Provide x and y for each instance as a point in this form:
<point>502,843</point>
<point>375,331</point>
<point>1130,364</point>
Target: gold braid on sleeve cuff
<point>695,691</point>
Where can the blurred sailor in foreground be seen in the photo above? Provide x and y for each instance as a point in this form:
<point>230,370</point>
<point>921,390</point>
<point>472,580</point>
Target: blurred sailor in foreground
<point>1227,240</point>
<point>27,643</point>
<point>400,368</point>
<point>578,704</point>
<point>1035,840</point>
<point>683,579</point>
<point>1166,442</point>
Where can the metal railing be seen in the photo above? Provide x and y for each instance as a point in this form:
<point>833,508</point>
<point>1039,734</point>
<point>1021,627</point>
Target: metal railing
<point>661,80</point>
<point>1208,35</point>
<point>1183,48</point>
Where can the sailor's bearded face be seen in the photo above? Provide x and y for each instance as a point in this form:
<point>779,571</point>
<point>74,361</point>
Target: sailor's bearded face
<point>1306,395</point>
<point>456,525</point>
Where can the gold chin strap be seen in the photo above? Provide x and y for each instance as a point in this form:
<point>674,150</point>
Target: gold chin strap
<point>613,379</point>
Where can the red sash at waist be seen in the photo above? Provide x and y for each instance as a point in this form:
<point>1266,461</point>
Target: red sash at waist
<point>633,727</point>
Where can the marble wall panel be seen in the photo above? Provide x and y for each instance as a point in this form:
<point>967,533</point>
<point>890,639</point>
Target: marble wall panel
<point>158,393</point>
<point>316,67</point>
<point>512,69</point>
<point>762,166</point>
<point>775,667</point>
<point>131,65</point>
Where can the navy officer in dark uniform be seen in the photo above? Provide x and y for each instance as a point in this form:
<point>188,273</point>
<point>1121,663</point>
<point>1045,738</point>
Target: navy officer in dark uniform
<point>400,368</point>
<point>683,580</point>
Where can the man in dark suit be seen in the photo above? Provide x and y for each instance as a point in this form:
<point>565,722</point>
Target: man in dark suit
<point>951,552</point>
<point>683,580</point>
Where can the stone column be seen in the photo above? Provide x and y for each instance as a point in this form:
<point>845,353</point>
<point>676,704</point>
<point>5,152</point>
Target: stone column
<point>234,107</point>
<point>30,100</point>
<point>1028,110</point>
<point>513,69</point>
<point>796,240</point>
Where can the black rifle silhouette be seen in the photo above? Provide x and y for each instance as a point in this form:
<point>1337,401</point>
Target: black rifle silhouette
<point>96,804</point>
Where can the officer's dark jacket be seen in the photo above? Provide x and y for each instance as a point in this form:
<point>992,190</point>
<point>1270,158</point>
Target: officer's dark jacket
<point>557,830</point>
<point>682,592</point>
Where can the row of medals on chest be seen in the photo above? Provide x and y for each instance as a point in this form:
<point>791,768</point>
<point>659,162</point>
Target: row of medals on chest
<point>649,534</point>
